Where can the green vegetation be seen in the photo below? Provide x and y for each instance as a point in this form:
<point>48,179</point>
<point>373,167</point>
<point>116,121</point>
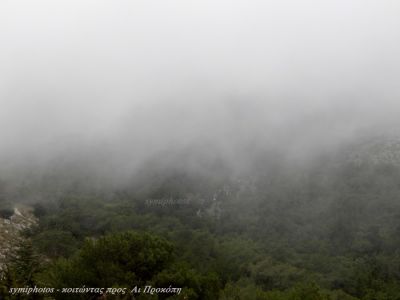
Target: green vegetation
<point>322,233</point>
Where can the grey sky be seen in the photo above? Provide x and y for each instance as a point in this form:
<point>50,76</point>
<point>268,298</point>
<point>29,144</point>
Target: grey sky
<point>140,76</point>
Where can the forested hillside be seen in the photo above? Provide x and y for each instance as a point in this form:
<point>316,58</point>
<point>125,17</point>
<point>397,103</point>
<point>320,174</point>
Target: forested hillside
<point>330,230</point>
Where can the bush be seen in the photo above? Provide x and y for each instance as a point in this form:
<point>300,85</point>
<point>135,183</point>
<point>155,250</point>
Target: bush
<point>6,212</point>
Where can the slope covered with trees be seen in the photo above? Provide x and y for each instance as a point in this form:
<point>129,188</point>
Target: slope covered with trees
<point>326,231</point>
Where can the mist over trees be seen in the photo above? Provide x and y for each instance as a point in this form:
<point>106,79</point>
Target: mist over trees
<point>229,149</point>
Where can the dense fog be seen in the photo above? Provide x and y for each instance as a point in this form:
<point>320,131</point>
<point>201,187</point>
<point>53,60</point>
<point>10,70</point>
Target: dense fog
<point>225,149</point>
<point>127,80</point>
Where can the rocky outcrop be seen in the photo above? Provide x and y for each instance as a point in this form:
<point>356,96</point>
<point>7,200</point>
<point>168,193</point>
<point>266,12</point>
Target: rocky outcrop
<point>11,229</point>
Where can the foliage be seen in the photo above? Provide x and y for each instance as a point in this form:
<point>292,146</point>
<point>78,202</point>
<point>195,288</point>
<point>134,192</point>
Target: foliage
<point>328,232</point>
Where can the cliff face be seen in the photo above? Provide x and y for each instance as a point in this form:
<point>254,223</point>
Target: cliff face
<point>11,229</point>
